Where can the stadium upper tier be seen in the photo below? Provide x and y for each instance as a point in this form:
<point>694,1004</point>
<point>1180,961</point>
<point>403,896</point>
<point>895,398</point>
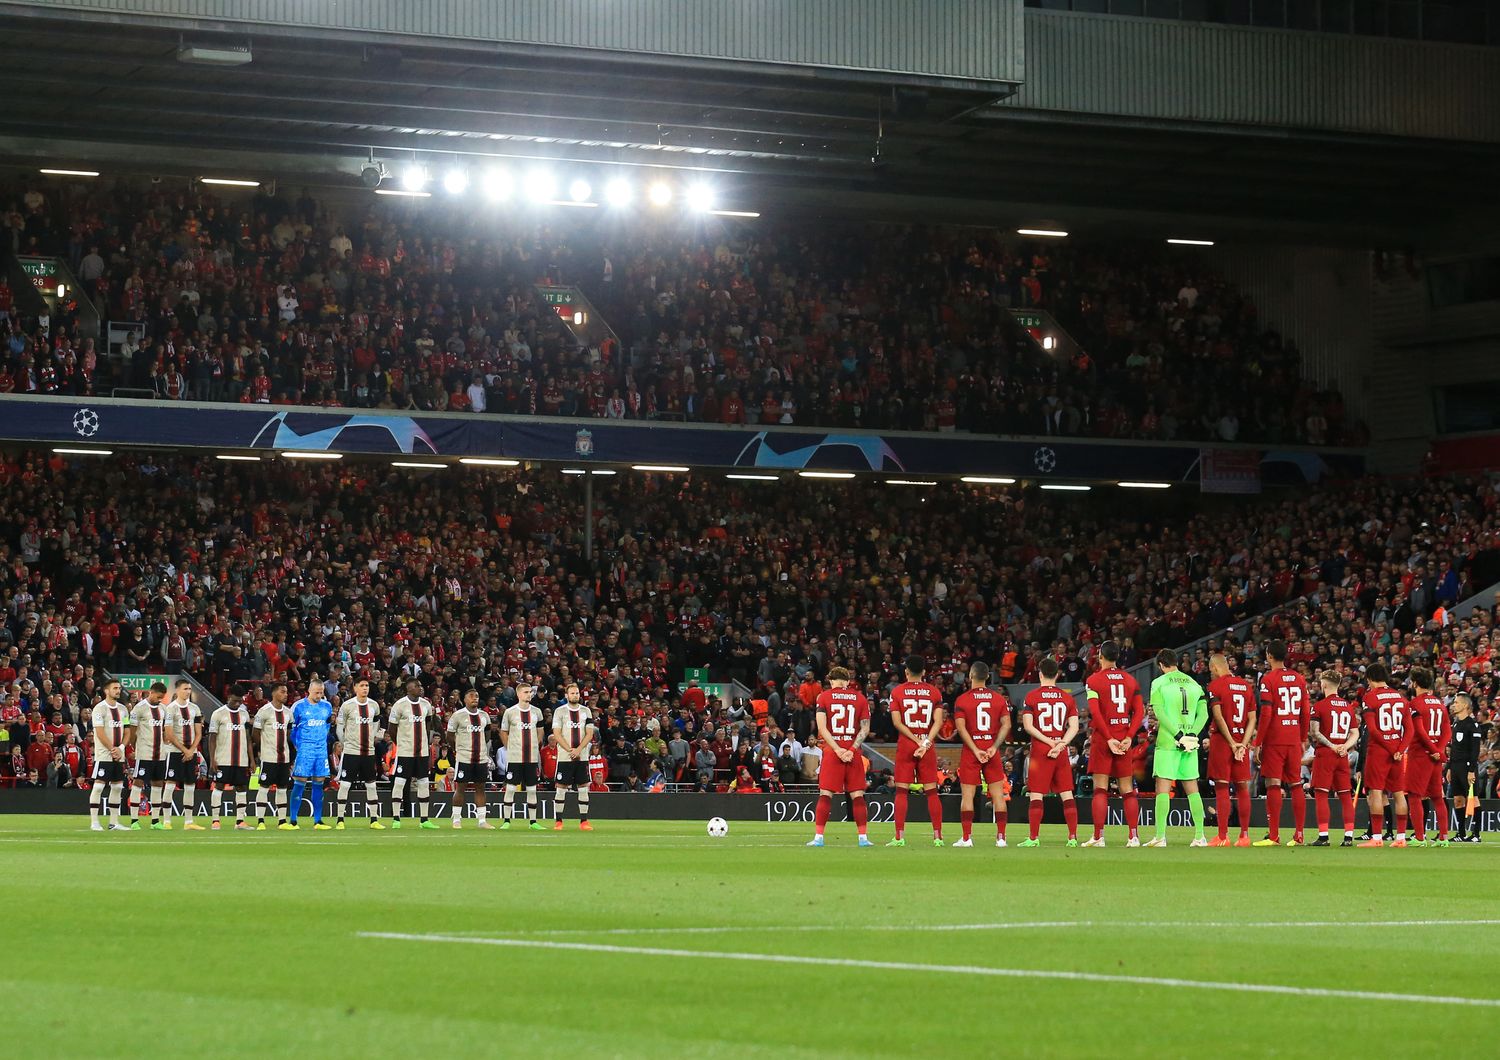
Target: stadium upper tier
<point>401,305</point>
<point>242,572</point>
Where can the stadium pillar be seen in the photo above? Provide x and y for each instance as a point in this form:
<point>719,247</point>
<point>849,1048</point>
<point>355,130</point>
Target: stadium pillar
<point>588,518</point>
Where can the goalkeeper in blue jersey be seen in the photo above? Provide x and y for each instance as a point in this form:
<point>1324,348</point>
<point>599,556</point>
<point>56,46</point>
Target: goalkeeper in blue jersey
<point>1181,713</point>
<point>310,722</point>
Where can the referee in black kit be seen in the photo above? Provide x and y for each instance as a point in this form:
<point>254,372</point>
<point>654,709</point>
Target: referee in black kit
<point>1463,761</point>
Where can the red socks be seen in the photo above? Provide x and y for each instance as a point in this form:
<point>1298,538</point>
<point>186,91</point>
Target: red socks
<point>1401,825</point>
<point>1377,823</point>
<point>1001,812</point>
<point>1346,799</point>
<point>861,814</point>
<point>1440,810</point>
<point>1070,814</point>
<point>1320,802</point>
<point>900,812</point>
<point>1418,817</point>
<point>1132,811</point>
<point>825,807</point>
<point>1034,815</point>
<point>935,811</point>
<point>1273,810</point>
<point>1243,802</point>
<point>1299,809</point>
<point>1221,806</point>
<point>1101,811</point>
<point>966,817</point>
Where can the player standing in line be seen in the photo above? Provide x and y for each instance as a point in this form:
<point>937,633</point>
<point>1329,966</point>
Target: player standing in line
<point>182,765</point>
<point>1279,740</point>
<point>1431,733</point>
<point>1177,702</point>
<point>521,729</point>
<point>1385,717</point>
<point>274,723</point>
<point>983,720</point>
<point>1334,735</point>
<point>109,721</point>
<point>917,713</point>
<point>1463,765</point>
<point>229,758</point>
<point>843,720</point>
<point>1116,714</point>
<point>1231,702</point>
<point>470,728</point>
<point>1050,718</point>
<point>573,725</point>
<point>311,716</point>
<point>410,730</point>
<point>358,725</point>
<point>153,739</point>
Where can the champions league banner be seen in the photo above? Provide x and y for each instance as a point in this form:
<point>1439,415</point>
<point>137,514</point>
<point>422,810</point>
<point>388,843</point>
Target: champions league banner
<point>107,421</point>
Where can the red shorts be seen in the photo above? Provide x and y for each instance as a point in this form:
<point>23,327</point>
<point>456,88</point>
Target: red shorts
<point>924,769</point>
<point>1424,777</point>
<point>1103,760</point>
<point>970,771</point>
<point>1222,768</point>
<point>1281,762</point>
<point>1048,775</point>
<point>1383,773</point>
<point>1330,771</point>
<point>839,777</point>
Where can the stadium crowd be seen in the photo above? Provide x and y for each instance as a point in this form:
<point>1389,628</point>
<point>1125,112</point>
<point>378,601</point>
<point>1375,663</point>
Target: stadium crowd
<point>245,574</point>
<point>388,305</point>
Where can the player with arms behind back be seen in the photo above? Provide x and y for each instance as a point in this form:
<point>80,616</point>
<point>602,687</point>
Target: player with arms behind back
<point>917,713</point>
<point>843,725</point>
<point>1116,714</point>
<point>1177,703</point>
<point>1284,710</point>
<point>1231,703</point>
<point>1385,718</point>
<point>1050,718</point>
<point>1334,735</point>
<point>1431,732</point>
<point>983,720</point>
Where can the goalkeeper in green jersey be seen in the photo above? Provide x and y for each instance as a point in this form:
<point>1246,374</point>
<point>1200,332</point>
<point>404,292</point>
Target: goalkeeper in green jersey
<point>1177,701</point>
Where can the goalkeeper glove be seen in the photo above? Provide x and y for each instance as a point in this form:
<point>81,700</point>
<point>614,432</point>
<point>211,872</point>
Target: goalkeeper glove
<point>1187,743</point>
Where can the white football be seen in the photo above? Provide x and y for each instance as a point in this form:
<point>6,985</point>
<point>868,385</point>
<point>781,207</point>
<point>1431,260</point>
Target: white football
<point>718,827</point>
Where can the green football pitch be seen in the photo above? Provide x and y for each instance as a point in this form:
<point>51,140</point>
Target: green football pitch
<point>650,938</point>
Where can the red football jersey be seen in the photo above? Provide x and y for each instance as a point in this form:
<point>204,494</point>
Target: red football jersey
<point>1050,708</point>
<point>846,709</point>
<point>982,711</point>
<point>1385,718</point>
<point>917,702</point>
<point>1335,718</point>
<point>1430,726</point>
<point>1235,697</point>
<point>1284,709</point>
<point>1115,705</point>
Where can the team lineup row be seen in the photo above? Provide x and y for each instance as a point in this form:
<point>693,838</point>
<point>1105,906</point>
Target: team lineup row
<point>1272,725</point>
<point>289,745</point>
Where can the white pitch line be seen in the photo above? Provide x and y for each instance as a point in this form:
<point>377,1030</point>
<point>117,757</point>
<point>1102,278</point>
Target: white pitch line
<point>1018,926</point>
<point>954,969</point>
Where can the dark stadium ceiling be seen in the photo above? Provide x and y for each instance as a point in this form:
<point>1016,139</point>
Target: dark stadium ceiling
<point>310,109</point>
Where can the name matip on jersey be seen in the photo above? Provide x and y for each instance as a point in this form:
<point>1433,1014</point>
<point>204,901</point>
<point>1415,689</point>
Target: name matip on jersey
<point>275,727</point>
<point>413,721</point>
<point>1285,704</point>
<point>358,726</point>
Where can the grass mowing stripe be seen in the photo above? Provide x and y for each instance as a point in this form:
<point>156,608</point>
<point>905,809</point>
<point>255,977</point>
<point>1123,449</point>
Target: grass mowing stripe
<point>952,969</point>
<point>1018,926</point>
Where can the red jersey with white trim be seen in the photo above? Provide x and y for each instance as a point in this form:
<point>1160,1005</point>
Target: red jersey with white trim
<point>1430,726</point>
<point>1050,708</point>
<point>1235,697</point>
<point>917,703</point>
<point>1385,714</point>
<point>982,711</point>
<point>1284,709</point>
<point>1335,718</point>
<point>1116,709</point>
<point>846,708</point>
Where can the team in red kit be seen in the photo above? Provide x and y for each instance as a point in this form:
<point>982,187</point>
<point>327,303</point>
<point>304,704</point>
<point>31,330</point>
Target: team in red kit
<point>1274,724</point>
